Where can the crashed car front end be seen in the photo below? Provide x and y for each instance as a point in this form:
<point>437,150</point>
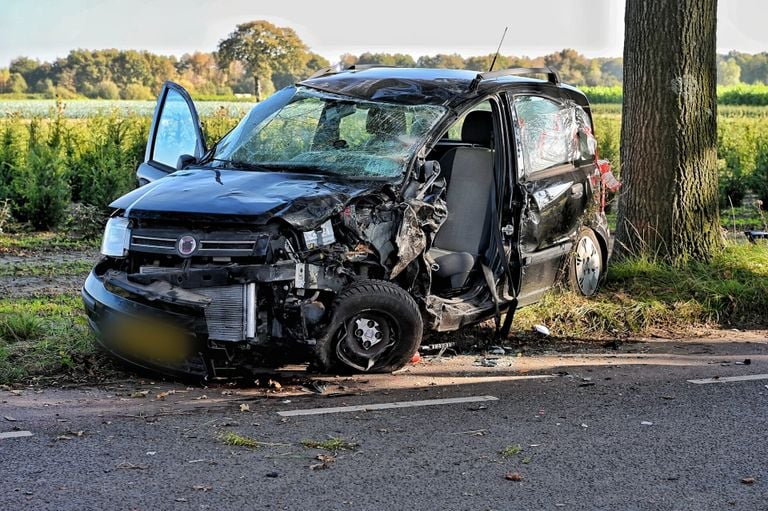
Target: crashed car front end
<point>231,266</point>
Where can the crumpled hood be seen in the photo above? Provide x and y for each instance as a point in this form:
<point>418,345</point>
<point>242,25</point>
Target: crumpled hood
<point>239,196</point>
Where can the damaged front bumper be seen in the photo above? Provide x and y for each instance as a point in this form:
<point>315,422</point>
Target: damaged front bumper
<point>206,323</point>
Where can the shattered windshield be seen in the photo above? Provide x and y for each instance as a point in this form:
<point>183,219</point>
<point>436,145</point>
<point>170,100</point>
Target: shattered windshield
<point>304,130</point>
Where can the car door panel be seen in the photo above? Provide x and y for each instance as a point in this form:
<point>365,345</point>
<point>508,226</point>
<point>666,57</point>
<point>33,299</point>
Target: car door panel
<point>175,131</point>
<point>555,192</point>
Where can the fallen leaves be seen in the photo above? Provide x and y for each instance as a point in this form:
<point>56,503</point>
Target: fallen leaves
<point>513,476</point>
<point>131,466</point>
<point>325,462</point>
<point>139,394</point>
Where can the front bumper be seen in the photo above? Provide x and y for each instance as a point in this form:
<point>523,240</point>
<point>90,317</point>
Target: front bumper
<point>159,329</point>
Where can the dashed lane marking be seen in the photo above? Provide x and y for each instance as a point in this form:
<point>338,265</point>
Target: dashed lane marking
<point>15,434</point>
<point>726,379</point>
<point>387,406</point>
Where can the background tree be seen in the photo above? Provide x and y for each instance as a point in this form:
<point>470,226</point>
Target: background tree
<point>668,205</point>
<point>262,48</point>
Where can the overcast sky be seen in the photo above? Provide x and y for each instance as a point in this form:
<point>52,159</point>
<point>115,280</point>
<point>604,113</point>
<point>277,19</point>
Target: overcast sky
<point>46,29</point>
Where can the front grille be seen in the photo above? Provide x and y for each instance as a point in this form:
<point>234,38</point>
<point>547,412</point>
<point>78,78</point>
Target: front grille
<point>226,314</point>
<point>156,241</point>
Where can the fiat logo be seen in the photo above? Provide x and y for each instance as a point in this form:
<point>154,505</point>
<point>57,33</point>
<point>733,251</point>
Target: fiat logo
<point>186,245</point>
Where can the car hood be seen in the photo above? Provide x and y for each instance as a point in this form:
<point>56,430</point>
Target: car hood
<point>240,196</point>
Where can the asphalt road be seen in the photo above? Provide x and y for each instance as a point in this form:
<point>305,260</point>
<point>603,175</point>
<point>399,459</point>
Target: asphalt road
<point>625,430</point>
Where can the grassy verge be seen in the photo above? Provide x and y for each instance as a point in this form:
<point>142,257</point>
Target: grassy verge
<point>45,336</point>
<point>641,296</point>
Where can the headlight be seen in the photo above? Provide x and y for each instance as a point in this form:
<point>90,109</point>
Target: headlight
<point>116,236</point>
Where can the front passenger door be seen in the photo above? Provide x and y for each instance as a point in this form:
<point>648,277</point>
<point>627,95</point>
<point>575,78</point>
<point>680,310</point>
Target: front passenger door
<point>175,131</point>
<point>555,193</point>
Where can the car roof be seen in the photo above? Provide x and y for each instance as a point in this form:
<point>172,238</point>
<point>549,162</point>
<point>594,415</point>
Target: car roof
<point>423,85</point>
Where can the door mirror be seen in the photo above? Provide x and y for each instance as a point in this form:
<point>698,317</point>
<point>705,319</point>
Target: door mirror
<point>184,161</point>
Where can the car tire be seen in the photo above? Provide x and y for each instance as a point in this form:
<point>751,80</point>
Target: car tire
<point>586,269</point>
<point>375,327</point>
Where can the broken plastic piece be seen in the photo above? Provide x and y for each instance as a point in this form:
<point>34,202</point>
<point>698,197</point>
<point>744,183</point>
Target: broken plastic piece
<point>541,329</point>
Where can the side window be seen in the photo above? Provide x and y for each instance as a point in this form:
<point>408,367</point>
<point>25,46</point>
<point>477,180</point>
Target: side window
<point>176,133</point>
<point>454,132</point>
<point>546,131</point>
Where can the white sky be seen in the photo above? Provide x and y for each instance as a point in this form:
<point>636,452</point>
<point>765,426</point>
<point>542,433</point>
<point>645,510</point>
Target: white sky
<point>47,29</point>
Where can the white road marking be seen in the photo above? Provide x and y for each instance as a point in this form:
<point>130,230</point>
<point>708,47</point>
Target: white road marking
<point>726,379</point>
<point>387,406</point>
<point>15,434</point>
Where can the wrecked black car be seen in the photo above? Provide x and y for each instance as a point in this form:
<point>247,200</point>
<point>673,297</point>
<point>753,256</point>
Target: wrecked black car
<point>344,215</point>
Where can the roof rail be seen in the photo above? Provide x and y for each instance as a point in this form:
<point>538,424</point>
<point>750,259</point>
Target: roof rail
<point>552,75</point>
<point>332,70</point>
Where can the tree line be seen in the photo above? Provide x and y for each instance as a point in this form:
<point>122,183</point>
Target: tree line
<point>259,57</point>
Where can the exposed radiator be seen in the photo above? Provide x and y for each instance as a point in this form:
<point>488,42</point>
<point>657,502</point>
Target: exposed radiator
<point>227,316</point>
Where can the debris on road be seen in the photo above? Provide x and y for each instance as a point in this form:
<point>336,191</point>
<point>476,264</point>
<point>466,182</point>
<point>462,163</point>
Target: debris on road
<point>513,476</point>
<point>646,423</point>
<point>542,330</point>
<point>244,407</point>
<point>748,480</point>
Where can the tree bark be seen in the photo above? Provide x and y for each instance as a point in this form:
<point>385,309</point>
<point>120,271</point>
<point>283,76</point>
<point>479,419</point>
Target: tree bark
<point>668,207</point>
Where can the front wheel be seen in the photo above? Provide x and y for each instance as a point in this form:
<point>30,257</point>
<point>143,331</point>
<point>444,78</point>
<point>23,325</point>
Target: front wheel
<point>375,327</point>
<point>586,267</point>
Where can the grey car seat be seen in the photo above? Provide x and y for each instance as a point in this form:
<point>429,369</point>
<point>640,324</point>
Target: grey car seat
<point>469,176</point>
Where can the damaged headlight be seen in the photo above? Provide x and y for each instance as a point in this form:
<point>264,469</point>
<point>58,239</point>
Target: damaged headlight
<point>320,237</point>
<point>116,237</point>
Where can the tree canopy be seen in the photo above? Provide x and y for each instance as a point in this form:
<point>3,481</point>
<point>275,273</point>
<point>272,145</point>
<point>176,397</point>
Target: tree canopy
<point>276,56</point>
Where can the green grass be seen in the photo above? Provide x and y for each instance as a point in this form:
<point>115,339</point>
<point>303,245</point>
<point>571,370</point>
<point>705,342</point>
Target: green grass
<point>233,439</point>
<point>44,337</point>
<point>511,450</point>
<point>642,295</point>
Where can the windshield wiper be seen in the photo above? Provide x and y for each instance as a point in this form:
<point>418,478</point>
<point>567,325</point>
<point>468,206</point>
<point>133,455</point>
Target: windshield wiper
<point>237,164</point>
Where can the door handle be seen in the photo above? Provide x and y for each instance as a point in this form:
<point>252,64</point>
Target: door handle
<point>577,191</point>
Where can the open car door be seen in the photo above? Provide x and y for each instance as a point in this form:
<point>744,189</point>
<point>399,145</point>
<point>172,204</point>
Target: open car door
<point>175,133</point>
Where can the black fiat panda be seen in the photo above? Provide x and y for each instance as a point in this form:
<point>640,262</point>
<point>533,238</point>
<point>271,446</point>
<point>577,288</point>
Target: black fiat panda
<point>345,215</point>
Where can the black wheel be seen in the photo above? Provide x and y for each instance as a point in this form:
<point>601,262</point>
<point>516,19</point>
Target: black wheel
<point>586,266</point>
<point>375,327</point>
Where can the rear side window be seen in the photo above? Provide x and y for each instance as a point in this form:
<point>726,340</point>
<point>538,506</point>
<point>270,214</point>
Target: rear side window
<point>546,131</point>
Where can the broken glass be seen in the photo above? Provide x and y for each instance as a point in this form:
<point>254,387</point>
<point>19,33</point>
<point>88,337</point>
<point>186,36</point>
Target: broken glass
<point>316,132</point>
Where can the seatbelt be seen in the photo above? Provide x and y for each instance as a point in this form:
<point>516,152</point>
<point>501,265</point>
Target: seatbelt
<point>502,331</point>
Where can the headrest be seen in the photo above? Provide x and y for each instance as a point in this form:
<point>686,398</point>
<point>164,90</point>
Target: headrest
<point>385,120</point>
<point>478,128</point>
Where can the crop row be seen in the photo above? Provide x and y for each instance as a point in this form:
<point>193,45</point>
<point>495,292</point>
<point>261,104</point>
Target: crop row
<point>47,164</point>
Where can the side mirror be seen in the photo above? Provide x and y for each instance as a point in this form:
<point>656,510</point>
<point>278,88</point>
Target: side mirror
<point>184,161</point>
<point>429,171</point>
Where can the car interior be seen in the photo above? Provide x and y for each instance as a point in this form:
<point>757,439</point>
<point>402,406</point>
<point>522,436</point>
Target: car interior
<point>467,166</point>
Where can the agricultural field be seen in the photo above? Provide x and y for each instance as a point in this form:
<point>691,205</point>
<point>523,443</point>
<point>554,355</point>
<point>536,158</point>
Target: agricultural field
<point>86,108</point>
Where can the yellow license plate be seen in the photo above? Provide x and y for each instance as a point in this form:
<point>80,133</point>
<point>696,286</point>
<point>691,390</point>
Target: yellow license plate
<point>152,340</point>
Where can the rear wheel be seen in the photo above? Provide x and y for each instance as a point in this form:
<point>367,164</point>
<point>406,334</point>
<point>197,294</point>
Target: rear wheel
<point>586,267</point>
<point>375,327</point>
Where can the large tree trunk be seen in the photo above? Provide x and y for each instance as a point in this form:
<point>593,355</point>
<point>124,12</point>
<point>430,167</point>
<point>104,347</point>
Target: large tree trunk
<point>257,87</point>
<point>668,205</point>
